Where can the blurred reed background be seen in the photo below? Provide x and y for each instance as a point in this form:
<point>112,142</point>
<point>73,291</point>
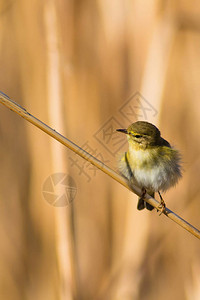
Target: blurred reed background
<point>77,66</point>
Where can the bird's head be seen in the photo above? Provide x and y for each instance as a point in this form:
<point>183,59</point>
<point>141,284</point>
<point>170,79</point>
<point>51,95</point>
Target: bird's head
<point>142,134</point>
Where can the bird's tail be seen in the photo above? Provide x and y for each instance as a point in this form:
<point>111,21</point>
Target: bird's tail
<point>143,204</point>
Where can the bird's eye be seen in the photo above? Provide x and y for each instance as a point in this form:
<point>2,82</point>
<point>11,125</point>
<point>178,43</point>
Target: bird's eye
<point>137,136</point>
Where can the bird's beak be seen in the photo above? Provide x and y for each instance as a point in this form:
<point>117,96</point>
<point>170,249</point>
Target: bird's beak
<point>122,130</point>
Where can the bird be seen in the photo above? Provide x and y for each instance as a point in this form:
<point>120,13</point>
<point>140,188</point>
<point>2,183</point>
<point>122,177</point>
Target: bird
<point>150,163</point>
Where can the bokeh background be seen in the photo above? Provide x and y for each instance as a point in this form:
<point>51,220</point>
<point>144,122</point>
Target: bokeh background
<point>86,68</point>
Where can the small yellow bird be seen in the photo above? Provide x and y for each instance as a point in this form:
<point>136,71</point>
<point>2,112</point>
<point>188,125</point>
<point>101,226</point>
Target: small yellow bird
<point>150,162</point>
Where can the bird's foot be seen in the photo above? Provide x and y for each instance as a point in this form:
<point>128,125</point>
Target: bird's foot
<point>162,204</point>
<point>143,193</point>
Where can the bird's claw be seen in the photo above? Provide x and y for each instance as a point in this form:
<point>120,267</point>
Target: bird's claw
<point>143,193</point>
<point>162,205</point>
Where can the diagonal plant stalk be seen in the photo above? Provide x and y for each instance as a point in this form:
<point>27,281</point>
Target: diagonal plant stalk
<point>5,100</point>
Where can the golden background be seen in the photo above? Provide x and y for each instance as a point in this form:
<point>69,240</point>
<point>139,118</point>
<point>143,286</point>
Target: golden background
<point>86,68</point>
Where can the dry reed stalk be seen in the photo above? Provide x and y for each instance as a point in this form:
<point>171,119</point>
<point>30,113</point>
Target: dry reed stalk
<point>157,62</point>
<point>5,100</point>
<point>63,217</point>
